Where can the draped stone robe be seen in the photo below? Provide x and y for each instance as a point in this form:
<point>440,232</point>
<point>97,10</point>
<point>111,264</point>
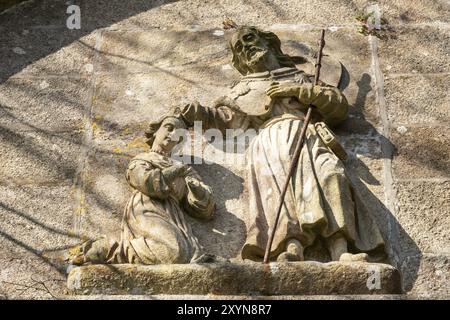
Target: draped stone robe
<point>154,227</point>
<point>320,200</point>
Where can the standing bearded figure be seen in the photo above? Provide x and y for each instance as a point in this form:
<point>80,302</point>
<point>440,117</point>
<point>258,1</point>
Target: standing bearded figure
<point>272,97</point>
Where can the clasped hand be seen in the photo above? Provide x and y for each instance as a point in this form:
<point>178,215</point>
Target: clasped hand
<point>184,171</point>
<point>306,93</point>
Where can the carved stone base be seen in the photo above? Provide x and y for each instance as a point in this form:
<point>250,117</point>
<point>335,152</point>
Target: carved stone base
<point>292,278</point>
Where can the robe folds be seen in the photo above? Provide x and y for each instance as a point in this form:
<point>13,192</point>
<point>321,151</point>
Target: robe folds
<point>154,227</point>
<point>320,201</point>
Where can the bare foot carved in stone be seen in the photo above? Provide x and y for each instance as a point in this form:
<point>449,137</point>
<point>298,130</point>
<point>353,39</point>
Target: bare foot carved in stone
<point>348,257</point>
<point>294,252</point>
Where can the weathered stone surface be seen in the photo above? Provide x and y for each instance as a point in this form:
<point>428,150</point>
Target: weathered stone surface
<point>8,4</point>
<point>250,298</point>
<point>38,156</point>
<point>421,152</point>
<point>36,41</point>
<point>427,275</point>
<point>146,51</point>
<point>364,164</point>
<point>422,211</point>
<point>34,225</point>
<point>352,50</point>
<point>29,13</point>
<point>38,50</point>
<point>134,84</point>
<point>429,103</point>
<point>194,14</point>
<point>174,60</point>
<point>48,104</point>
<point>68,53</point>
<point>416,50</point>
<point>308,278</point>
<point>24,271</point>
<point>364,167</point>
<point>167,51</point>
<point>37,222</point>
<point>106,193</point>
<point>405,11</point>
<point>130,101</point>
<point>225,234</point>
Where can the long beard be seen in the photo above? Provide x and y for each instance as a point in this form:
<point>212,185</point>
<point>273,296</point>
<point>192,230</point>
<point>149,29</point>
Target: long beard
<point>257,58</point>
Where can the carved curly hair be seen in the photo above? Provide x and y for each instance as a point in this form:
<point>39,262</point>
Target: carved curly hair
<point>155,125</point>
<point>273,42</point>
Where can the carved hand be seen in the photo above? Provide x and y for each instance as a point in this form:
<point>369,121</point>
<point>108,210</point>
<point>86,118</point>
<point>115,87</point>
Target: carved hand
<point>178,170</point>
<point>195,187</point>
<point>306,93</point>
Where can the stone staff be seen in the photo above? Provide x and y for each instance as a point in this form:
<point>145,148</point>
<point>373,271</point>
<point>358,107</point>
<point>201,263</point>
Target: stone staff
<point>297,151</point>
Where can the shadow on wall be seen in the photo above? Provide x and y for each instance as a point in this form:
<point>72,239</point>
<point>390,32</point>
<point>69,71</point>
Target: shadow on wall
<point>38,28</point>
<point>8,4</point>
<point>46,30</point>
<point>391,229</point>
<point>226,233</point>
<point>51,30</point>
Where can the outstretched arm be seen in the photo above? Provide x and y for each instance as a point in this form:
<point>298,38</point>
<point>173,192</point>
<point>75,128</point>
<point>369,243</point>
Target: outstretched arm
<point>198,202</point>
<point>221,117</point>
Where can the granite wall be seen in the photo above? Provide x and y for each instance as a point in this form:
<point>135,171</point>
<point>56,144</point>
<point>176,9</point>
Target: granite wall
<point>74,105</point>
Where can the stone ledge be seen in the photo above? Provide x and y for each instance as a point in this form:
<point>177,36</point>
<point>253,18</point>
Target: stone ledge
<point>254,298</point>
<point>253,279</point>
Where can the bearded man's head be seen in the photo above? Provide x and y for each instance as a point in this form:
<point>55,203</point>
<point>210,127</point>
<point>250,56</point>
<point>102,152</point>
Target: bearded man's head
<point>255,50</point>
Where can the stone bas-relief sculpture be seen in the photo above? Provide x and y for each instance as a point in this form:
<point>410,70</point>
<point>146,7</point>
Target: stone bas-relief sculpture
<point>322,210</point>
<point>321,203</point>
<point>320,207</point>
<point>154,227</point>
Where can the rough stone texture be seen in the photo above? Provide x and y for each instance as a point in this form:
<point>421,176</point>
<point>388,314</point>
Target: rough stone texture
<point>421,152</point>
<point>75,103</point>
<point>31,231</point>
<point>152,50</point>
<point>38,156</point>
<point>423,213</point>
<point>106,193</point>
<point>430,102</point>
<point>128,94</point>
<point>30,13</point>
<point>28,275</point>
<point>295,278</point>
<point>47,104</point>
<point>22,46</point>
<point>130,101</point>
<point>195,14</point>
<point>252,298</point>
<point>416,50</point>
<point>42,228</point>
<point>427,275</point>
<point>419,11</point>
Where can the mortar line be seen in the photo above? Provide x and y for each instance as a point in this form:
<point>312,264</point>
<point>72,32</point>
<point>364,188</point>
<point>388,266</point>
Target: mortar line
<point>79,76</point>
<point>434,24</point>
<point>386,148</point>
<point>412,75</point>
<point>436,180</point>
<point>49,184</point>
<point>280,26</point>
<point>80,184</point>
<point>431,124</point>
<point>306,26</point>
